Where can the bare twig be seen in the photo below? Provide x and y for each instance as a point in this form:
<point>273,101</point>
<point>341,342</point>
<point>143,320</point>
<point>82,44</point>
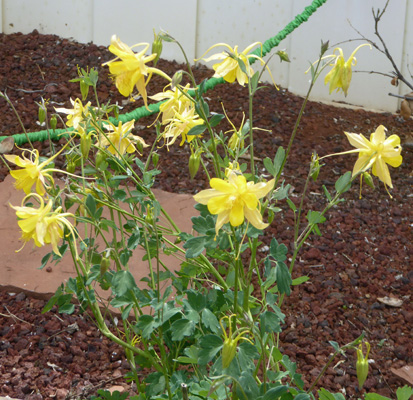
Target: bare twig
<point>14,317</point>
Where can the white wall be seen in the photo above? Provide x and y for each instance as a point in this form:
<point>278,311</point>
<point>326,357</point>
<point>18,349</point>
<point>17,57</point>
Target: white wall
<point>198,24</point>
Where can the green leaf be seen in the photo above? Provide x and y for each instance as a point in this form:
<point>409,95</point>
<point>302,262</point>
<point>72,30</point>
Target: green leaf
<point>284,280</point>
<point>197,130</point>
<point>119,194</point>
<point>269,322</point>
<point>53,299</point>
<point>181,328</point>
<point>122,281</point>
<point>275,392</point>
<point>156,386</point>
<point>279,159</point>
<point>105,224</point>
<point>314,217</point>
<point>134,240</point>
<point>195,246</point>
<point>373,396</point>
<point>91,205</point>
<point>209,346</point>
<point>327,193</point>
<point>210,320</point>
<point>404,393</point>
<point>300,280</point>
<point>246,354</point>
<point>302,396</point>
<point>45,259</point>
<point>241,64</point>
<point>326,395</point>
<point>255,81</point>
<point>249,386</point>
<point>216,119</point>
<point>343,183</point>
<point>146,324</point>
<point>124,256</point>
<point>196,300</point>
<point>291,205</point>
<point>126,311</point>
<point>269,166</point>
<point>335,345</point>
<point>278,251</point>
<point>203,224</point>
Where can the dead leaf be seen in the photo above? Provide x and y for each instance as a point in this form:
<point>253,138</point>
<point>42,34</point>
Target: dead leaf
<point>405,373</point>
<point>390,301</point>
<point>6,145</point>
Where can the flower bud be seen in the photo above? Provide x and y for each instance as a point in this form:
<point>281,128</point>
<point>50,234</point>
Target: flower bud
<point>100,158</point>
<point>84,89</point>
<point>283,56</point>
<point>369,180</point>
<point>193,164</point>
<point>156,47</point>
<point>362,364</point>
<point>228,351</point>
<point>104,265</point>
<point>85,143</point>
<point>71,167</point>
<point>324,46</point>
<point>53,122</point>
<point>176,79</point>
<point>41,114</point>
<point>155,159</point>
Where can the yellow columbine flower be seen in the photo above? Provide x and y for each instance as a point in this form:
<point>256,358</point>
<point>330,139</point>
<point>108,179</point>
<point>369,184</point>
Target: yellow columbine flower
<point>180,125</point>
<point>340,75</point>
<point>176,102</point>
<point>120,140</point>
<point>235,199</point>
<point>376,153</point>
<point>129,69</point>
<point>42,224</point>
<point>32,172</point>
<point>229,68</point>
<point>76,115</point>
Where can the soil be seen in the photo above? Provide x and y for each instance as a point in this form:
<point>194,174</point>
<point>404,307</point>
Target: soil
<point>363,255</point>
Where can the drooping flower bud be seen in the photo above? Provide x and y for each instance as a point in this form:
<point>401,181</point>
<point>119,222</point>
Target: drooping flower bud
<point>176,79</point>
<point>156,47</point>
<point>100,158</point>
<point>194,163</point>
<point>85,144</point>
<point>41,114</point>
<point>104,264</point>
<point>362,364</point>
<point>84,89</point>
<point>53,122</point>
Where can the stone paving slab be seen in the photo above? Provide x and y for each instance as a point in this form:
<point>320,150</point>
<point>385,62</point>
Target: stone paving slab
<point>19,271</point>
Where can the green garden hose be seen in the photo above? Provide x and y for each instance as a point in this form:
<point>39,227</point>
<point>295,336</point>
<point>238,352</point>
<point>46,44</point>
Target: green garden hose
<point>210,84</point>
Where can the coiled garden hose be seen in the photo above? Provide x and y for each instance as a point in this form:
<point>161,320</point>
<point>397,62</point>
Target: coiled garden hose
<point>141,112</point>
